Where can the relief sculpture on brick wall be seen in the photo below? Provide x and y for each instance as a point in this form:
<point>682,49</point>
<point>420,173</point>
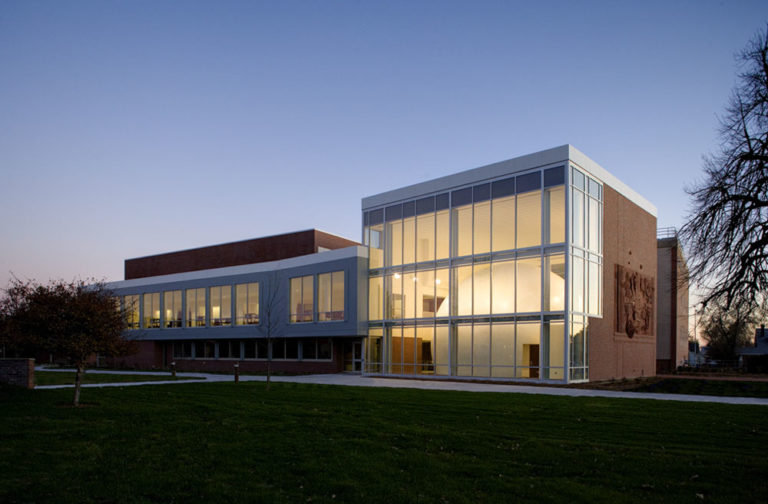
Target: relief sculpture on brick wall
<point>634,302</point>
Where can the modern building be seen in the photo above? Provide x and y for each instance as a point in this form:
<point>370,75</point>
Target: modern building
<point>541,268</point>
<point>672,321</point>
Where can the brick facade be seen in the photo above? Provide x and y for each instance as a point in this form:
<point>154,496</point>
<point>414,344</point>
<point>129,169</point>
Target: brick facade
<point>18,372</point>
<point>629,240</point>
<point>270,248</point>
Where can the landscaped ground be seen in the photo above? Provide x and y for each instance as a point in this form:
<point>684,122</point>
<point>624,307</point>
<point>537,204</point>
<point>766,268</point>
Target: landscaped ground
<point>694,386</point>
<point>68,378</point>
<point>227,442</point>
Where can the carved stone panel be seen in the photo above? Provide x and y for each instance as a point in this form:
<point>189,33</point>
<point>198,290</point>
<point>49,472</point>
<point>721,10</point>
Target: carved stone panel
<point>634,302</point>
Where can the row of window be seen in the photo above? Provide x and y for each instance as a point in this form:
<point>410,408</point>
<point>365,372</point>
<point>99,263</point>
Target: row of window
<point>330,297</point>
<point>189,308</point>
<point>214,306</point>
<point>525,285</point>
<point>312,349</point>
<point>480,220</point>
<point>499,350</point>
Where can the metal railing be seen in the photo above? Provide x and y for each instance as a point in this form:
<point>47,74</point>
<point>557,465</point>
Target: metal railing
<point>666,232</point>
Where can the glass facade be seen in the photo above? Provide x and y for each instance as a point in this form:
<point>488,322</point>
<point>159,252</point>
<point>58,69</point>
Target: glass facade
<point>302,298</point>
<point>247,303</point>
<point>474,281</point>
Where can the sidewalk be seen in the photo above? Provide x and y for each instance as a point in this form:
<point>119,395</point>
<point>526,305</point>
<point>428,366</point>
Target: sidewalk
<point>355,380</point>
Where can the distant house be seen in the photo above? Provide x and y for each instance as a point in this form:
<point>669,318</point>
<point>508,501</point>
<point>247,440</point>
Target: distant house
<point>755,358</point>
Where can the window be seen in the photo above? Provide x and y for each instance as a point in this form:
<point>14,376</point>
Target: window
<point>247,304</point>
<point>229,349</point>
<point>316,349</point>
<point>195,307</point>
<point>151,310</point>
<point>172,308</point>
<point>131,310</point>
<point>330,296</point>
<point>221,305</point>
<point>302,298</point>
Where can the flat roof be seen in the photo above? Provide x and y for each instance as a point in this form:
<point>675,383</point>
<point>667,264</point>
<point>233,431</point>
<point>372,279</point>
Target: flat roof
<point>537,160</point>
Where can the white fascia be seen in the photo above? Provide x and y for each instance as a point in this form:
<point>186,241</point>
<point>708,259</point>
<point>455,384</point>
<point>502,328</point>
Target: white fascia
<point>538,160</point>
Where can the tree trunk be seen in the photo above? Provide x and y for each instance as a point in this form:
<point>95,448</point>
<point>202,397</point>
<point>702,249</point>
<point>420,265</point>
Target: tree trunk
<point>78,382</point>
<point>269,371</point>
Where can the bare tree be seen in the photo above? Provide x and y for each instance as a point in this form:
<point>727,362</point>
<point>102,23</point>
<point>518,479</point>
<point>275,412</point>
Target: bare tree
<point>74,320</point>
<point>726,233</point>
<point>274,309</point>
<point>726,329</point>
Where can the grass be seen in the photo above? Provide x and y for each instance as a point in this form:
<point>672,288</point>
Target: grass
<point>691,386</point>
<point>68,378</point>
<point>227,442</point>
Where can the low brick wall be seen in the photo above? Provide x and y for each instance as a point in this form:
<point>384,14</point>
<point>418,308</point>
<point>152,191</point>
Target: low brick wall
<point>19,372</point>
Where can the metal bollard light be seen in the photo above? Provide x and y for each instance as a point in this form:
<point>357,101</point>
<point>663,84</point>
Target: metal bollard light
<point>237,373</point>
<point>173,369</point>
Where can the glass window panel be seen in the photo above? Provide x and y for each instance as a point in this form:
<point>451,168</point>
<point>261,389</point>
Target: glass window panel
<point>462,231</point>
<point>529,219</point>
<point>247,303</point>
<point>481,350</point>
<point>394,296</point>
<point>577,343</point>
<point>593,226</point>
<point>291,349</point>
<point>442,290</point>
<point>324,348</point>
<point>594,288</point>
<point>577,218</point>
<point>375,298</point>
<point>555,203</point>
<point>442,346</point>
<point>464,350</point>
<point>482,289</point>
<point>151,310</point>
<point>172,308</point>
<point>527,350</point>
<point>552,351</point>
<point>262,349</point>
<point>374,350</point>
<point>554,294</point>
<point>224,349</point>
<point>425,294</point>
<point>482,228</point>
<point>503,223</point>
<point>503,350</point>
<point>396,350</point>
<point>221,305</point>
<point>409,297</point>
<point>278,349</point>
<point>425,237</point>
<point>529,285</point>
<point>249,349</point>
<point>409,240</point>
<point>302,298</point>
<point>323,296</point>
<point>577,284</point>
<point>131,309</point>
<point>503,284</point>
<point>394,243</point>
<point>425,350</point>
<point>196,307</point>
<point>376,250</point>
<point>442,234</point>
<point>337,295</point>
<point>309,349</point>
<point>462,285</point>
<point>578,179</point>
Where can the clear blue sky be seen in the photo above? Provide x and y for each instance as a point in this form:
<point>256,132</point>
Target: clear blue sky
<point>138,127</point>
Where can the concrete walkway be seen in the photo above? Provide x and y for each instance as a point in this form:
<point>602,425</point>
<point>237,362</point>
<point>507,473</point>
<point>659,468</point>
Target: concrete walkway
<point>355,380</point>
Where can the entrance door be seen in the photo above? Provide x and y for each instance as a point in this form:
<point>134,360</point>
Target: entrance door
<point>533,361</point>
<point>353,356</point>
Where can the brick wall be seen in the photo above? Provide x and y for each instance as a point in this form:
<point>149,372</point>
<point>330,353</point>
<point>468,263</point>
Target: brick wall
<point>18,372</point>
<point>629,240</point>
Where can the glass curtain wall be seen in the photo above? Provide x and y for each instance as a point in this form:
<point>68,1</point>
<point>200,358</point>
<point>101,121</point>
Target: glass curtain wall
<point>471,282</point>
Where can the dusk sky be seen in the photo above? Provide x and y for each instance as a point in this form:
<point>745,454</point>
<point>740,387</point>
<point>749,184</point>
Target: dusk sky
<point>139,127</point>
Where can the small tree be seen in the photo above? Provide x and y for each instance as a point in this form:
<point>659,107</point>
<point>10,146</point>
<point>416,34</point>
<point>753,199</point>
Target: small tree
<point>274,310</point>
<point>726,233</point>
<point>73,320</point>
<point>728,328</point>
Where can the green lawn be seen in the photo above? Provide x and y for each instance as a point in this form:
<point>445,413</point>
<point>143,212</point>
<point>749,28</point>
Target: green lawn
<point>227,442</point>
<point>713,387</point>
<point>68,378</point>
